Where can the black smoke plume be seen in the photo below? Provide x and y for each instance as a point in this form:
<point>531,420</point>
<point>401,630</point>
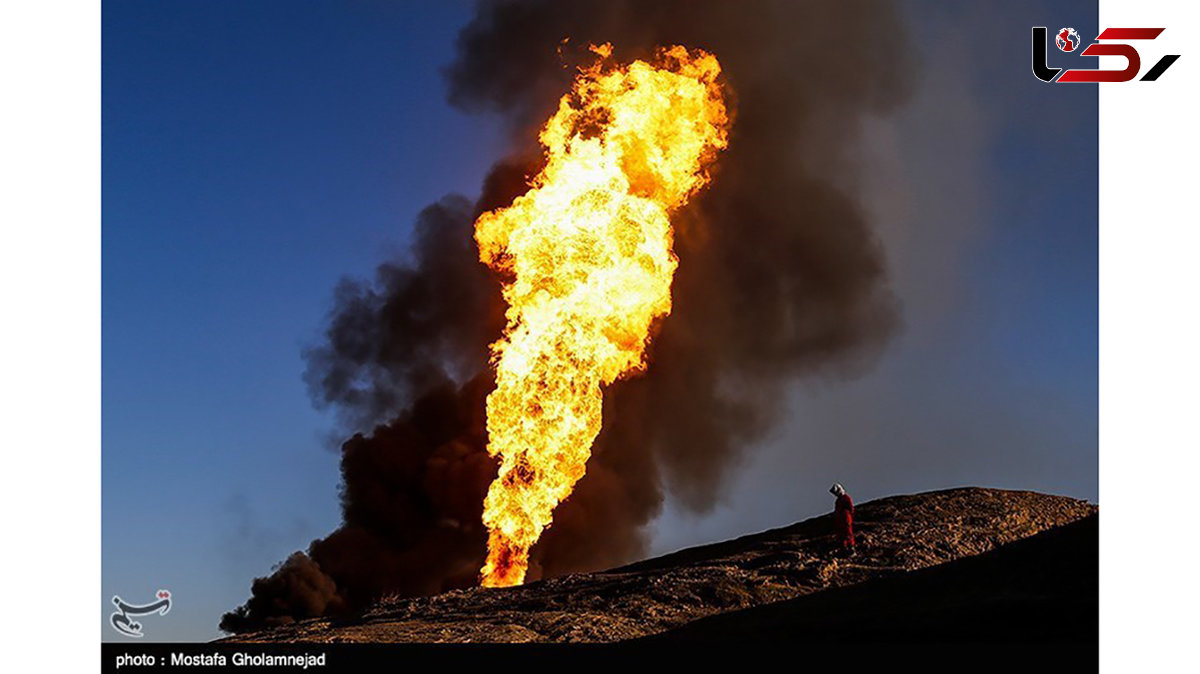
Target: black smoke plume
<point>779,277</point>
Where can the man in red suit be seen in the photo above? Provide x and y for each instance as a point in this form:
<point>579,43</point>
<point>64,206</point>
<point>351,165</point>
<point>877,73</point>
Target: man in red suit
<point>843,518</point>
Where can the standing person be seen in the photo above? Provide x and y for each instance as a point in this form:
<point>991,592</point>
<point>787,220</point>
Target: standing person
<point>843,518</point>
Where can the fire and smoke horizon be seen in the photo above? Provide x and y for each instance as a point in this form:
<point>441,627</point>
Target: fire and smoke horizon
<point>770,272</point>
<point>587,260</point>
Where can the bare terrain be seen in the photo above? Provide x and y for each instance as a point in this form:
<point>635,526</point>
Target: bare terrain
<point>739,589</point>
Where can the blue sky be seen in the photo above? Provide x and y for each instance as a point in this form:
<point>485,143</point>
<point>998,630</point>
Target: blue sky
<point>253,156</point>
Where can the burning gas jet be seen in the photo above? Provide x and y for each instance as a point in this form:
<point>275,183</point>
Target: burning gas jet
<point>586,261</point>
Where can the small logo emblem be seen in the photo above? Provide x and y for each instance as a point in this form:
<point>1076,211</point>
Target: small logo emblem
<point>1067,39</point>
<point>121,621</point>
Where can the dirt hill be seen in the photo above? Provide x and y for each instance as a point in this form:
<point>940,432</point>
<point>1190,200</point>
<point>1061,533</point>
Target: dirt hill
<point>1039,589</point>
<point>897,535</point>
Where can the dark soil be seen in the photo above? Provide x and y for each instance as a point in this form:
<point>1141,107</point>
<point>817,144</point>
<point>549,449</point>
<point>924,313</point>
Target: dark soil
<point>897,535</point>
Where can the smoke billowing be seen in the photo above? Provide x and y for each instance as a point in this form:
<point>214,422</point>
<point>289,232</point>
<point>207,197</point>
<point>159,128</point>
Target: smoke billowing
<point>779,277</point>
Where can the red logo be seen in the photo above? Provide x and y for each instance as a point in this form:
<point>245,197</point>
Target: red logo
<point>1068,40</point>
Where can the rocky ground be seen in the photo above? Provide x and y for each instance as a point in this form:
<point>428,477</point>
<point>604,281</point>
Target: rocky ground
<point>897,535</point>
<point>1039,590</point>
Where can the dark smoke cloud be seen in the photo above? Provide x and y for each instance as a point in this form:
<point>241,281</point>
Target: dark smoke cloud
<point>417,325</point>
<point>779,276</point>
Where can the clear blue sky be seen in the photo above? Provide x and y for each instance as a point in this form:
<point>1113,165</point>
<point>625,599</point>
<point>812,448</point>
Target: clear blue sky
<point>256,152</point>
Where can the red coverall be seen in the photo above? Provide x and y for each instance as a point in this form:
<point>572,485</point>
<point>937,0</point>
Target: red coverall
<point>843,520</point>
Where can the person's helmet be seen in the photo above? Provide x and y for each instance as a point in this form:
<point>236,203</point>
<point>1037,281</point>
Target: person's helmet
<point>837,489</point>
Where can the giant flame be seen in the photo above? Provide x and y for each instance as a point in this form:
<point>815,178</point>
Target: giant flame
<point>587,261</point>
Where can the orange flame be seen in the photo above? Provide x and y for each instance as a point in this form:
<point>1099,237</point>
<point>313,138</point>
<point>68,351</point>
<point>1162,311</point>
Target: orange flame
<point>587,259</point>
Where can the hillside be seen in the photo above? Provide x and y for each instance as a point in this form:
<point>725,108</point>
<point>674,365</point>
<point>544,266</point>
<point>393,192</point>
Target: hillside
<point>1039,589</point>
<point>897,535</point>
